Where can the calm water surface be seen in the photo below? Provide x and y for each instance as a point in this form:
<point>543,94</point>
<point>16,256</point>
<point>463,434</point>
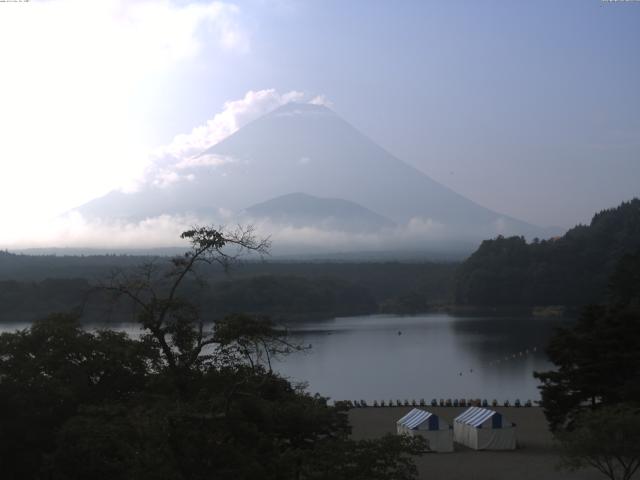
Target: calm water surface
<point>383,357</point>
<point>437,355</point>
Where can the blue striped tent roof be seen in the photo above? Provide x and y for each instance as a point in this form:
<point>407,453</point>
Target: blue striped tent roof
<point>476,416</point>
<point>415,418</point>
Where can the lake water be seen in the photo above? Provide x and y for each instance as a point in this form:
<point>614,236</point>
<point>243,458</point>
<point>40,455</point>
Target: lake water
<point>383,357</point>
<point>428,356</point>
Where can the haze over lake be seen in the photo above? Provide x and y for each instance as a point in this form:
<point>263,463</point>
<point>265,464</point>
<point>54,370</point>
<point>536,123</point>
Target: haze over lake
<point>367,358</point>
<point>383,357</point>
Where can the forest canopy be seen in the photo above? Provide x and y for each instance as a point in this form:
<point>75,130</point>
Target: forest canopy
<point>183,401</point>
<point>570,270</point>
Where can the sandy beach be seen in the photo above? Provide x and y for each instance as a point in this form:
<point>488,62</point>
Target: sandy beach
<point>536,457</point>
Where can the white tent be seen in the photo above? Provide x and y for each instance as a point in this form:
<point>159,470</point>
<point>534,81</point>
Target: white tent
<point>483,429</point>
<point>437,432</point>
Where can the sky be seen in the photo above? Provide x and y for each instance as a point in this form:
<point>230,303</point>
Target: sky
<point>531,109</point>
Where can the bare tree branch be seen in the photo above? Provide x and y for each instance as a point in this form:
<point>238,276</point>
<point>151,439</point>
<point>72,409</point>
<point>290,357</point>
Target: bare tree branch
<point>153,289</point>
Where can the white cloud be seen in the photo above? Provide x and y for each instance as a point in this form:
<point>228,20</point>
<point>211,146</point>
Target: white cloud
<point>321,100</point>
<point>300,111</point>
<point>165,178</point>
<point>204,161</point>
<point>72,72</point>
<point>185,150</point>
<point>318,238</point>
<point>73,230</point>
<point>234,115</point>
<point>89,148</point>
<point>425,226</point>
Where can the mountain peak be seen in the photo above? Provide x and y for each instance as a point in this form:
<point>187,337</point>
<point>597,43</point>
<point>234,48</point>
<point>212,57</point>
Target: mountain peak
<point>301,209</point>
<point>339,172</point>
<point>299,108</point>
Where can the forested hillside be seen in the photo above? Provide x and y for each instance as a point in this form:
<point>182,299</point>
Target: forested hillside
<point>33,286</point>
<point>570,270</point>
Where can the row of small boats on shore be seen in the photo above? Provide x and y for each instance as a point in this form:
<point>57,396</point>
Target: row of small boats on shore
<point>462,402</point>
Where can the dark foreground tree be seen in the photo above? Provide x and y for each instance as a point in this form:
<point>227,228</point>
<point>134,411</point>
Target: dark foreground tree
<point>181,402</point>
<point>170,320</point>
<point>597,359</point>
<point>571,270</point>
<point>390,457</point>
<point>607,439</point>
<point>598,363</point>
<point>51,371</point>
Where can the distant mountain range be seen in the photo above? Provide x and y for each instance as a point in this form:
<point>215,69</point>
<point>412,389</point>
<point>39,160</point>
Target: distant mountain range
<point>302,166</point>
<point>333,214</point>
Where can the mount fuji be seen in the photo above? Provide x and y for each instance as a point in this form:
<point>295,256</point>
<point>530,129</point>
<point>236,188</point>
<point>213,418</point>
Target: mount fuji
<point>302,166</point>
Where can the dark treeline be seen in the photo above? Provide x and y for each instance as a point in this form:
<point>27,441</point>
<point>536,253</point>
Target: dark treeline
<point>571,270</point>
<point>597,357</point>
<point>184,401</point>
<point>290,295</point>
<point>35,268</point>
<point>287,289</point>
<point>22,301</point>
<point>592,396</point>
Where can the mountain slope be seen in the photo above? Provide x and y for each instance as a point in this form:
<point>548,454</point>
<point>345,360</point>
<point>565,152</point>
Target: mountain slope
<point>301,210</point>
<point>306,148</point>
<point>570,270</point>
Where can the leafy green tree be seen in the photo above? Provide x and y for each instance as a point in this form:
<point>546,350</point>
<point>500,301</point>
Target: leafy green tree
<point>182,402</point>
<point>48,372</point>
<point>171,321</point>
<point>253,340</point>
<point>571,270</point>
<point>598,362</point>
<point>607,439</point>
<point>624,285</point>
<point>387,458</point>
<point>597,359</point>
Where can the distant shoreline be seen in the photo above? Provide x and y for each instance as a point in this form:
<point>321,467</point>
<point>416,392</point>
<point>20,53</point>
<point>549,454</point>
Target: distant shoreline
<point>553,311</point>
<point>559,312</point>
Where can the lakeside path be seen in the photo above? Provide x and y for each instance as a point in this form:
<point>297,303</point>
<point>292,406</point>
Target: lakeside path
<point>535,459</point>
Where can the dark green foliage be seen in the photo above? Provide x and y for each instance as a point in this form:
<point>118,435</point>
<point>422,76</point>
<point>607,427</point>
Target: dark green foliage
<point>20,300</point>
<point>35,268</point>
<point>243,338</point>
<point>597,359</point>
<point>77,405</point>
<point>266,426</point>
<point>287,295</point>
<point>408,303</point>
<point>570,270</point>
<point>387,458</point>
<point>181,402</point>
<point>607,439</point>
<point>283,290</point>
<point>624,286</point>
<point>48,372</point>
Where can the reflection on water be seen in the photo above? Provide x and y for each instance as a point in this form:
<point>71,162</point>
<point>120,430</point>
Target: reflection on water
<point>383,357</point>
<point>437,355</point>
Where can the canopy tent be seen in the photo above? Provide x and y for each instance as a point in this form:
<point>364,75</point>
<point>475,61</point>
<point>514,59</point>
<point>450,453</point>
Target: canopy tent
<point>483,429</point>
<point>437,432</point>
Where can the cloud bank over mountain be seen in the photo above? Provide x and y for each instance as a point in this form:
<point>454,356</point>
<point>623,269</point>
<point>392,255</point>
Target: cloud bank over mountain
<point>73,231</point>
<point>168,163</point>
<point>290,166</point>
<point>234,115</point>
<point>79,83</point>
